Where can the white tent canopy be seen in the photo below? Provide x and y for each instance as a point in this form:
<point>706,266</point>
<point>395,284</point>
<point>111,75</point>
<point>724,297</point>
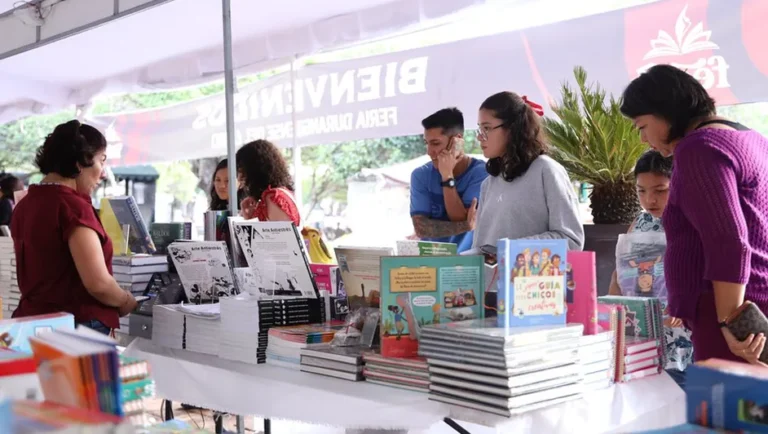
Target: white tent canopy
<point>67,52</point>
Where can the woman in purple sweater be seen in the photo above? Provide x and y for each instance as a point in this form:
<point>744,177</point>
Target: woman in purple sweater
<point>716,221</point>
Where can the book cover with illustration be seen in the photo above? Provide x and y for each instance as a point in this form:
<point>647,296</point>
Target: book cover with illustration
<point>117,212</point>
<point>426,248</point>
<point>423,290</point>
<point>360,269</point>
<point>727,395</point>
<point>581,290</point>
<point>640,265</point>
<point>15,332</point>
<point>531,285</point>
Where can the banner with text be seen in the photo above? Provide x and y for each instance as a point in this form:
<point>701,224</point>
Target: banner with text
<point>717,41</point>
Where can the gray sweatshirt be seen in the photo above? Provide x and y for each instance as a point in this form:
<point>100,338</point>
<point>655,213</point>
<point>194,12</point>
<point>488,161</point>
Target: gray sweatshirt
<point>541,204</point>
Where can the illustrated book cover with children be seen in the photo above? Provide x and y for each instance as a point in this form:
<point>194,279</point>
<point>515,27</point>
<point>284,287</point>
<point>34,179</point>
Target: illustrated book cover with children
<point>531,286</point>
<point>418,291</point>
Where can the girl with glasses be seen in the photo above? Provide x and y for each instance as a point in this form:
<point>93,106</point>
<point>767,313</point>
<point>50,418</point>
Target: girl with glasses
<point>528,194</point>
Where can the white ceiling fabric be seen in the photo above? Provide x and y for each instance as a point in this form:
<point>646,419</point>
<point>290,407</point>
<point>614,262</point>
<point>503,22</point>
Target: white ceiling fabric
<point>179,43</point>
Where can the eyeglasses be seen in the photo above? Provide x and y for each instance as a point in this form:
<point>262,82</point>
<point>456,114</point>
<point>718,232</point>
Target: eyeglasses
<point>482,132</point>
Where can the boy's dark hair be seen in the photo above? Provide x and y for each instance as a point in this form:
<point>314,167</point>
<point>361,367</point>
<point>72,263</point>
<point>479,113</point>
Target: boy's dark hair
<point>70,145</point>
<point>670,94</point>
<point>450,120</point>
<point>526,135</point>
<point>654,162</point>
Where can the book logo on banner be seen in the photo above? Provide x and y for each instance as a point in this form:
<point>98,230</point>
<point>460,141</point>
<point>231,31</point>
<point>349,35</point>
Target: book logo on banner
<point>688,46</point>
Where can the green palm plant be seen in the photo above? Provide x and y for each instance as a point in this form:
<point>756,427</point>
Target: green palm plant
<point>596,144</point>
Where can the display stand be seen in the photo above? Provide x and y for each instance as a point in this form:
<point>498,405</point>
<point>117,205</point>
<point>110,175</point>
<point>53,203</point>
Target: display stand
<point>278,393</point>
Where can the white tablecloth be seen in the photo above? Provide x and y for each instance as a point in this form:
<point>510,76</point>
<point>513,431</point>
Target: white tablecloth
<point>279,393</point>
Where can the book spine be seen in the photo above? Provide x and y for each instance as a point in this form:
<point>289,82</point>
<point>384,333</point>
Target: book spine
<point>305,255</point>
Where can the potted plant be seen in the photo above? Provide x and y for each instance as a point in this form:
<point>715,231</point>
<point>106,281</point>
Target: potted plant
<point>597,145</point>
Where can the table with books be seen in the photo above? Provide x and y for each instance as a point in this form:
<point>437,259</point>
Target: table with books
<point>279,393</point>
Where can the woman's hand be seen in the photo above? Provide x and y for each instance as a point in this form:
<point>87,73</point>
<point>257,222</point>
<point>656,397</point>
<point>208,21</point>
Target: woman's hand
<point>128,306</point>
<point>248,207</point>
<point>749,349</point>
<point>673,322</point>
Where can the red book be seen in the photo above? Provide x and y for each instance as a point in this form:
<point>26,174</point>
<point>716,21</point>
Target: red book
<point>581,290</point>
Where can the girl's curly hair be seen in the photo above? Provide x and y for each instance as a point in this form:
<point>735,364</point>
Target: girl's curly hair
<point>526,135</point>
<point>262,165</point>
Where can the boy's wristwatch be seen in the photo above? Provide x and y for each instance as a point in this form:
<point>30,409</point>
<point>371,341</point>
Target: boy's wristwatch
<point>450,183</point>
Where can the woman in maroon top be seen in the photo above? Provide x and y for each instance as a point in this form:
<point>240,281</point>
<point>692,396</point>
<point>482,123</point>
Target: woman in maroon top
<point>63,254</point>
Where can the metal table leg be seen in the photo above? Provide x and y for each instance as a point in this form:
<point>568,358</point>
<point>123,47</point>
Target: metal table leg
<point>267,426</point>
<point>456,427</point>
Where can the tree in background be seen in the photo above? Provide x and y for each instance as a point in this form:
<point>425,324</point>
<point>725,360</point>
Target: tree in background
<point>20,139</point>
<point>327,167</point>
<point>178,181</point>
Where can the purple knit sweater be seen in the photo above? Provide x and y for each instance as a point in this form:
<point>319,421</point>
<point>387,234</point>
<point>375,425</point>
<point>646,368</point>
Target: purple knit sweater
<point>716,220</point>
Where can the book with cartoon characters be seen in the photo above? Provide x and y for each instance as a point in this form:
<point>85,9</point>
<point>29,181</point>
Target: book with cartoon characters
<point>423,290</point>
<point>531,287</point>
<point>640,264</point>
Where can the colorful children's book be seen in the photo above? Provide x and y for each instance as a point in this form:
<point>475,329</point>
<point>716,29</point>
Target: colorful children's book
<point>728,395</point>
<point>421,290</point>
<point>425,248</point>
<point>15,333</point>
<point>531,288</point>
<point>581,290</point>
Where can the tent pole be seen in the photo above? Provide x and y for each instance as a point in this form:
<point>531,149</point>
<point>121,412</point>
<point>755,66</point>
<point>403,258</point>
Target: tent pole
<point>296,153</point>
<point>229,96</point>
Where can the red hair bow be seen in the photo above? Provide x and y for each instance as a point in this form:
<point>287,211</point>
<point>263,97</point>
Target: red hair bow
<point>539,110</point>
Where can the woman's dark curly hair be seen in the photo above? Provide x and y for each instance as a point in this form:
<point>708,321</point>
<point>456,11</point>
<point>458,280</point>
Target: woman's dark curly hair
<point>217,203</point>
<point>526,135</point>
<point>69,147</point>
<point>262,165</point>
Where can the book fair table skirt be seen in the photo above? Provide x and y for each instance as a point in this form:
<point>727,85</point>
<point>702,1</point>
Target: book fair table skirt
<point>278,393</point>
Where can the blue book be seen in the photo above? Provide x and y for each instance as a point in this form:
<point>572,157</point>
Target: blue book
<point>728,395</point>
<point>685,428</point>
<point>531,285</point>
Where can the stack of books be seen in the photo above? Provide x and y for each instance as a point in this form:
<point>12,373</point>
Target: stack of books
<point>409,373</point>
<point>596,360</point>
<point>246,320</point>
<point>193,327</point>
<point>502,370</point>
<point>9,285</point>
<point>284,344</point>
<point>340,362</point>
<point>133,274</point>
<point>79,369</point>
<point>640,341</point>
<point>138,386</point>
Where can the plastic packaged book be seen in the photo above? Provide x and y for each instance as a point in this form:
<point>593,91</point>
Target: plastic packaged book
<point>488,330</point>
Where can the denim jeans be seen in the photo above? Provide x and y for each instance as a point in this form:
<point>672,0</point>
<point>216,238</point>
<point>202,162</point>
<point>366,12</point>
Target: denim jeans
<point>96,326</point>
